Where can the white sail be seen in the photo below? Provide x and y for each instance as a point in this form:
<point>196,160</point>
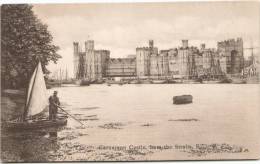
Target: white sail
<point>30,86</point>
<point>37,93</point>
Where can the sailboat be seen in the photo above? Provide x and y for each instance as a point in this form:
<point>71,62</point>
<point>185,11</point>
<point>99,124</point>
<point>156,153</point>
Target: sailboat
<point>36,105</point>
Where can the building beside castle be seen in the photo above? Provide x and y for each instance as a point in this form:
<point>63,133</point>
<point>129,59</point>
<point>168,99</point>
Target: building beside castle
<point>121,67</point>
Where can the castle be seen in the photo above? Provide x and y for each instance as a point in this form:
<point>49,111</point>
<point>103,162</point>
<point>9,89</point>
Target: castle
<point>91,63</point>
<point>97,64</point>
<point>182,62</point>
<point>233,51</point>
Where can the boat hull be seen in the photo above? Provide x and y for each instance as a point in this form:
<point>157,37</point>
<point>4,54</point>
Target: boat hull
<point>39,124</point>
<point>184,99</point>
<point>83,82</point>
<point>159,81</point>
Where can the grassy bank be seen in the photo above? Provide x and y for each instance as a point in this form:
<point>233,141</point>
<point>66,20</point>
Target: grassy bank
<point>12,104</point>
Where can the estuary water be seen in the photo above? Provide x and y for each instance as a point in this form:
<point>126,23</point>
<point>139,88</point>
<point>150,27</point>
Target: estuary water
<point>140,122</point>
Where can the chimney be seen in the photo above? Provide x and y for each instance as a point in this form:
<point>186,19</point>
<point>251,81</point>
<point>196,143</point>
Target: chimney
<point>185,43</point>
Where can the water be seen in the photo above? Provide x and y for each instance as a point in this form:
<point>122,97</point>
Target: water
<point>136,122</point>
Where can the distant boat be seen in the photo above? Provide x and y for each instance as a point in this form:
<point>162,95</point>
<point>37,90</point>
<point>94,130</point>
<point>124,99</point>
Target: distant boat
<point>159,81</point>
<point>190,81</point>
<point>99,81</point>
<point>135,82</point>
<point>35,106</point>
<point>226,80</point>
<point>211,81</point>
<point>146,81</point>
<point>239,81</point>
<point>83,82</point>
<point>183,99</point>
<point>171,81</point>
<point>109,82</point>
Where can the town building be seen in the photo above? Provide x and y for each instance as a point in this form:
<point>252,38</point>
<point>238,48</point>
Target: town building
<point>121,67</point>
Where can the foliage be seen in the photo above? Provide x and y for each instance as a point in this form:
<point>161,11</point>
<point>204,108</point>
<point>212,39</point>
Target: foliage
<point>24,41</point>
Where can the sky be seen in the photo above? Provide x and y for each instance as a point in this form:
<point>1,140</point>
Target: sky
<point>121,27</point>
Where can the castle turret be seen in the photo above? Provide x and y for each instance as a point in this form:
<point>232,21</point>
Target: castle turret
<point>89,45</point>
<point>151,44</point>
<point>76,48</point>
<point>202,46</point>
<point>185,43</point>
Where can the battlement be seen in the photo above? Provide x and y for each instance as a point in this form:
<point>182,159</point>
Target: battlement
<point>103,51</point>
<point>143,48</point>
<point>89,45</point>
<point>121,60</point>
<point>231,42</point>
<point>164,51</point>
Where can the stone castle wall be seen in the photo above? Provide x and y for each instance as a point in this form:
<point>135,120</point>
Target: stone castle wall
<point>182,62</point>
<point>232,50</point>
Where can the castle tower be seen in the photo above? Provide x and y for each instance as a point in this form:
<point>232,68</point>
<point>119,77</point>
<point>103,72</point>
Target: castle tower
<point>76,47</point>
<point>90,66</point>
<point>75,58</point>
<point>185,44</point>
<point>89,45</point>
<point>151,44</point>
<point>233,51</point>
<point>202,46</point>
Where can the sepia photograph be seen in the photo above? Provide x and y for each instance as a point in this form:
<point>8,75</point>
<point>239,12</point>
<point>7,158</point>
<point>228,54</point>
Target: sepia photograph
<point>130,81</point>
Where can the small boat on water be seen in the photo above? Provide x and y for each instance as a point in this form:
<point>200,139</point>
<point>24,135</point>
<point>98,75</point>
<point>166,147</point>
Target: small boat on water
<point>226,80</point>
<point>115,82</point>
<point>36,106</point>
<point>83,82</point>
<point>37,123</point>
<point>211,81</point>
<point>159,81</point>
<point>135,82</point>
<point>190,81</point>
<point>238,81</point>
<point>183,99</point>
<point>146,81</point>
<point>171,81</point>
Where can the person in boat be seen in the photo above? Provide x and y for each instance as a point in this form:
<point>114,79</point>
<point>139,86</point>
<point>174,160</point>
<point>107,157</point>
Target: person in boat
<point>53,105</point>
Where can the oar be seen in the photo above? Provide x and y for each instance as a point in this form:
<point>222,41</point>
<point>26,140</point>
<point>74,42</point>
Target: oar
<point>69,114</point>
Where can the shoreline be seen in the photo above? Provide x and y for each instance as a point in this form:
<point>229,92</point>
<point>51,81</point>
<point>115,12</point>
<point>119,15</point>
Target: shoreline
<point>12,103</point>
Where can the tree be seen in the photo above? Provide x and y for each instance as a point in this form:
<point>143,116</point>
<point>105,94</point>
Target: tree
<point>24,41</point>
